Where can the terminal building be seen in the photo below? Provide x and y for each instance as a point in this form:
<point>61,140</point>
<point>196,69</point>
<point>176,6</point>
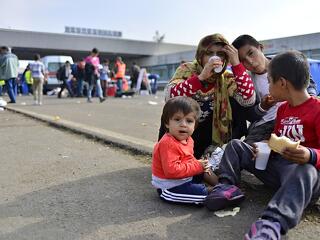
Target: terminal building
<point>158,57</point>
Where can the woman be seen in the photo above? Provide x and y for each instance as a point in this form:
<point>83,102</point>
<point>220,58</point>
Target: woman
<point>211,87</point>
<point>92,74</point>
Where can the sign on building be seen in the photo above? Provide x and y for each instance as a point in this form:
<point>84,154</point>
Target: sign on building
<point>92,31</point>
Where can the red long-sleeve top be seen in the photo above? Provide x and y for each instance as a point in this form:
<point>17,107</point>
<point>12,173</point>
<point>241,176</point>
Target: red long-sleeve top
<point>301,123</point>
<point>173,160</point>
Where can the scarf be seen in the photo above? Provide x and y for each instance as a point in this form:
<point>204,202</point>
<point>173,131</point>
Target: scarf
<point>223,87</point>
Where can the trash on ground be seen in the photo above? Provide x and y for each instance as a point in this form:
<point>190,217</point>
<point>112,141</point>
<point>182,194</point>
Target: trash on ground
<point>225,213</point>
<point>54,91</point>
<point>3,103</point>
<point>152,103</point>
<point>56,118</point>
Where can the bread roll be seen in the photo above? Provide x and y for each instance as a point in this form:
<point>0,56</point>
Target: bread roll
<point>278,144</point>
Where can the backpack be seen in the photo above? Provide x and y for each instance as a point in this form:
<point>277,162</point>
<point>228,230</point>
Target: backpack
<point>89,69</point>
<point>59,73</point>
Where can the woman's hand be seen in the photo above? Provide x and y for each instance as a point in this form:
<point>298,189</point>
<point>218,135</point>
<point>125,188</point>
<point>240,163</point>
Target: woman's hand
<point>267,102</point>
<point>299,155</point>
<point>255,150</point>
<point>232,53</point>
<point>207,71</point>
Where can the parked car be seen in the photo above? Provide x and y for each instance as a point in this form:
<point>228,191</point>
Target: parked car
<point>52,64</point>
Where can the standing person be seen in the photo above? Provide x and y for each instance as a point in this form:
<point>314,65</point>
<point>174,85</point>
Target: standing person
<point>120,71</point>
<point>174,168</point>
<point>262,115</point>
<point>9,64</point>
<point>211,87</point>
<point>37,73</point>
<point>27,75</point>
<point>64,74</point>
<point>135,70</point>
<point>92,74</point>
<point>104,76</point>
<point>293,173</point>
<point>79,74</point>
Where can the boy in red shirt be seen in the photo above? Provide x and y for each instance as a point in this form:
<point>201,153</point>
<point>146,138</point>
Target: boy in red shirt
<point>294,173</point>
<point>174,167</point>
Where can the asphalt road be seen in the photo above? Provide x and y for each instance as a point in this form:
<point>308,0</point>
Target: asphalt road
<point>59,185</point>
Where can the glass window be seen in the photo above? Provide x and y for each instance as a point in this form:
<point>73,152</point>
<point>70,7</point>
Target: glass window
<point>53,66</point>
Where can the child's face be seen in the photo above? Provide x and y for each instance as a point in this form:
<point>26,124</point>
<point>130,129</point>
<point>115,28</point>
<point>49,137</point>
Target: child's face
<point>253,59</point>
<point>181,126</point>
<point>276,89</point>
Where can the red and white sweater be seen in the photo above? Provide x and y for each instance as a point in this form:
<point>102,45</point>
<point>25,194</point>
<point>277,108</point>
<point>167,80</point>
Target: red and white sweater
<point>243,80</point>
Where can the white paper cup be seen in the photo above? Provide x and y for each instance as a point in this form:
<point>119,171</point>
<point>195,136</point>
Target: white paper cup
<point>262,155</point>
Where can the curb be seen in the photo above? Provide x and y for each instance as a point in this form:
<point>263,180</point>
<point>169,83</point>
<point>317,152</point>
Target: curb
<point>135,145</point>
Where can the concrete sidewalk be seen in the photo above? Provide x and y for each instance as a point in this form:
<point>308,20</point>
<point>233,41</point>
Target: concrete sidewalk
<point>131,123</point>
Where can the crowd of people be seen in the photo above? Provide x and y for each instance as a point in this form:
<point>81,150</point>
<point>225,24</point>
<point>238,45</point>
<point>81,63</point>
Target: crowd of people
<point>85,78</point>
<point>208,107</point>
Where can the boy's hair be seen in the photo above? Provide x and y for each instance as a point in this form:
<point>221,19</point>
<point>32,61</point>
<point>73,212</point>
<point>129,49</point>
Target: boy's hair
<point>245,39</point>
<point>292,66</point>
<point>182,104</point>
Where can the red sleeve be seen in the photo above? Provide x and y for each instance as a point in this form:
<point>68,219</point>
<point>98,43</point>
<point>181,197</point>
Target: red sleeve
<point>186,88</point>
<point>244,81</point>
<point>175,164</point>
<point>317,150</point>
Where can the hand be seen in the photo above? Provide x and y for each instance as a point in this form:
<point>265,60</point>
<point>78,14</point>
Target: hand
<point>267,102</point>
<point>232,53</point>
<point>207,71</point>
<point>255,151</point>
<point>299,155</point>
<point>204,163</point>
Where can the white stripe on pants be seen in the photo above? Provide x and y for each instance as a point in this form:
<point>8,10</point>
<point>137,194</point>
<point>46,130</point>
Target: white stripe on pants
<point>182,198</point>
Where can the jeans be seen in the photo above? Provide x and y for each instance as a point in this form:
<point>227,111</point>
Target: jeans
<point>119,87</point>
<point>67,86</point>
<point>98,90</point>
<point>11,86</point>
<point>80,87</point>
<point>296,185</point>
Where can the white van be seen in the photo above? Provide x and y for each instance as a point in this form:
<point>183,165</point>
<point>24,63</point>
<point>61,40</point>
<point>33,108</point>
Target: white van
<point>52,64</point>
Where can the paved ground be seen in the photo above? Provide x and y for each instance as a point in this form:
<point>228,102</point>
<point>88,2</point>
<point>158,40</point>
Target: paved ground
<point>137,117</point>
<point>59,185</point>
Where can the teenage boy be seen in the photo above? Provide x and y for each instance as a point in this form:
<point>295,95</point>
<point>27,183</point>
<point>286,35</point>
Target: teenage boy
<point>261,115</point>
<point>294,173</point>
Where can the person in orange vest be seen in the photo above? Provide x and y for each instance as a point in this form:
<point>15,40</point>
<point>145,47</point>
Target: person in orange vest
<point>120,70</point>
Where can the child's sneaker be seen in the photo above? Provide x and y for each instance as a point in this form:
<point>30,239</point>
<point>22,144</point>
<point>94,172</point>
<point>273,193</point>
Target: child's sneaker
<point>264,230</point>
<point>222,196</point>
